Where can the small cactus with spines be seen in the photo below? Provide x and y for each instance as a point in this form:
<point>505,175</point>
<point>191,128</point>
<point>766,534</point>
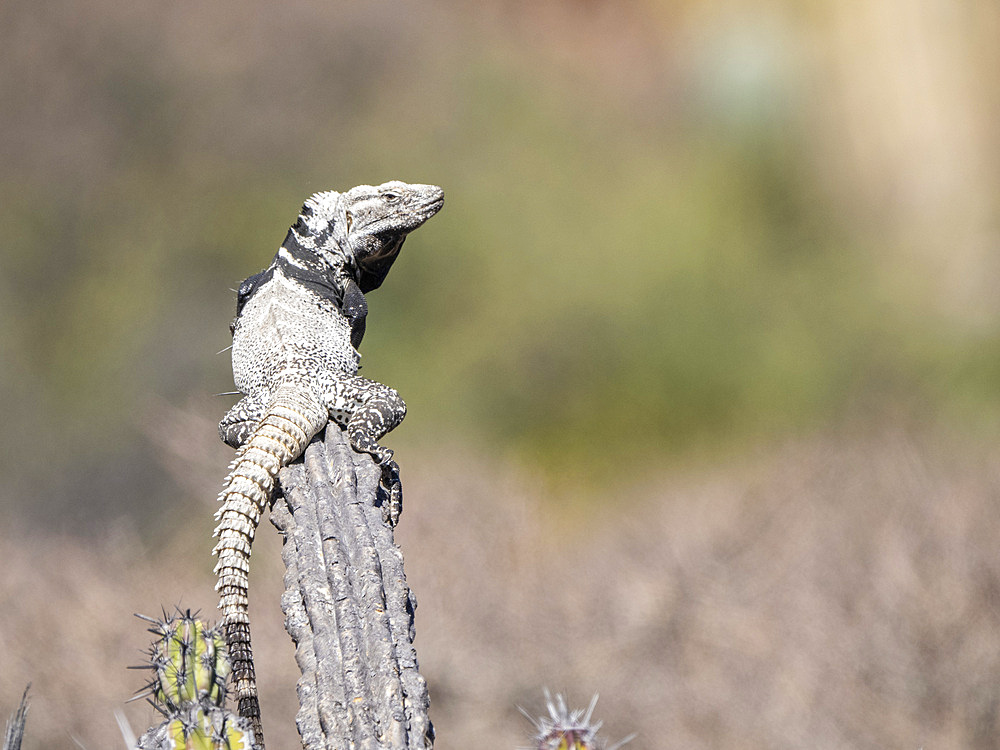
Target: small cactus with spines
<point>190,661</point>
<point>200,727</point>
<point>190,664</point>
<point>563,729</point>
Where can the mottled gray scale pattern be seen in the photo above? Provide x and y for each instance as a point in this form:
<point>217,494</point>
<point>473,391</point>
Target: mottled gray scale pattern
<point>302,340</point>
<point>294,357</point>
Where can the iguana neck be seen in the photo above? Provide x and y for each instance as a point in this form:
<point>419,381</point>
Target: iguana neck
<point>312,268</point>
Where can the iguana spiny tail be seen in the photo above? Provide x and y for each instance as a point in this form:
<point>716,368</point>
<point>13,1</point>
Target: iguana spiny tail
<point>295,337</point>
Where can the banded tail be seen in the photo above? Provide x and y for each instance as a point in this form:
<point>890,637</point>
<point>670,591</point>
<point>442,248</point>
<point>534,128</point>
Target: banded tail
<point>294,416</point>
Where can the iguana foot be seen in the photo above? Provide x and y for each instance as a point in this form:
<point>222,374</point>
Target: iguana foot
<point>392,489</point>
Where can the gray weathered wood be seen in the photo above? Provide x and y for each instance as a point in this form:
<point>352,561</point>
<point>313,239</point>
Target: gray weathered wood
<point>347,605</point>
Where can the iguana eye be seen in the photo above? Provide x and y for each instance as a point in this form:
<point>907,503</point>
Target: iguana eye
<point>350,220</point>
<point>390,197</point>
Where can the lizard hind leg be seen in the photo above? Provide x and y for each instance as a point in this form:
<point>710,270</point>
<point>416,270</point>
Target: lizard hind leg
<point>239,422</point>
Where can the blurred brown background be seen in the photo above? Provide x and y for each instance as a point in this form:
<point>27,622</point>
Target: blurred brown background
<point>701,355</point>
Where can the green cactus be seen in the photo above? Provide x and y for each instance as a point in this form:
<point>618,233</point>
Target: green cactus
<point>200,727</point>
<point>190,662</point>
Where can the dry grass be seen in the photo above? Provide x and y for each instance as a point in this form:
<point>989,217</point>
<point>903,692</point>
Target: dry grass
<point>837,593</point>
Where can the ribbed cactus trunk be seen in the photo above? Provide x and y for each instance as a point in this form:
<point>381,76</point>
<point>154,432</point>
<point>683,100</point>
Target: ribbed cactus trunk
<point>347,605</point>
<point>288,425</point>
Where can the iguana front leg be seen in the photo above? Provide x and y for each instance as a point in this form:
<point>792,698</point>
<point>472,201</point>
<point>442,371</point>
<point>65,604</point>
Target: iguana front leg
<point>368,410</point>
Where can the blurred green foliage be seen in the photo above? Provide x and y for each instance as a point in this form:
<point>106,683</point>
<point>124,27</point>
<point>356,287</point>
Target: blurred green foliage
<point>612,282</point>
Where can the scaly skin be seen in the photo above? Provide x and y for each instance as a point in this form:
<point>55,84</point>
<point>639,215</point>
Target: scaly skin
<point>295,358</point>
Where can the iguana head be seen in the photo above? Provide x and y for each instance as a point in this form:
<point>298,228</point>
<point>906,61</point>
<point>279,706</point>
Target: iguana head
<point>365,226</point>
<point>379,218</point>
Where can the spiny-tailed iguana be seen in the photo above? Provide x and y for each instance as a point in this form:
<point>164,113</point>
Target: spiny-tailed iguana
<point>295,338</point>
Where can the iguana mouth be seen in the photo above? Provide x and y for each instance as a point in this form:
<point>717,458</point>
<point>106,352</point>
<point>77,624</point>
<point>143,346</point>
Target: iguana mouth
<point>433,204</point>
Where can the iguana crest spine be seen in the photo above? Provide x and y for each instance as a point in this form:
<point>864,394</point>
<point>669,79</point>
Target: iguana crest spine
<point>295,337</point>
